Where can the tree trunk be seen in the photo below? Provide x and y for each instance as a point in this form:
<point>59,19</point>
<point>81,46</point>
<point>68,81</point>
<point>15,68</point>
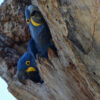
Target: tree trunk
<point>74,26</point>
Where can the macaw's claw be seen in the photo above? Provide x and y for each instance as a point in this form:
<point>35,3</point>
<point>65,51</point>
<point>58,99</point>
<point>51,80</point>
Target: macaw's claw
<point>44,60</point>
<point>39,57</point>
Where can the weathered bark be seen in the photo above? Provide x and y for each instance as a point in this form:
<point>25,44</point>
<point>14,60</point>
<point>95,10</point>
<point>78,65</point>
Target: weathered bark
<point>74,26</point>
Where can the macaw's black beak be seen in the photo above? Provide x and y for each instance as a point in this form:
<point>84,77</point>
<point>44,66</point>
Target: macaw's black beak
<point>21,76</point>
<point>35,77</point>
<point>37,17</point>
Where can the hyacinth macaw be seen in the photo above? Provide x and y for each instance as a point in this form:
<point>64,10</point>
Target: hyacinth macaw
<point>27,68</point>
<point>40,33</point>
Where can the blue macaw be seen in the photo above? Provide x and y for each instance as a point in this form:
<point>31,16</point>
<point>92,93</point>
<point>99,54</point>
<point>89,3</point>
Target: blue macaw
<point>40,33</point>
<point>27,68</point>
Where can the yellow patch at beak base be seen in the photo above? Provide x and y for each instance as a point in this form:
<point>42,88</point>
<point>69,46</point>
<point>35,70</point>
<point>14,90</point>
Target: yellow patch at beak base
<point>34,23</point>
<point>31,69</point>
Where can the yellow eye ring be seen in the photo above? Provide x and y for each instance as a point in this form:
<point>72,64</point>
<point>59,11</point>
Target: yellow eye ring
<point>27,63</point>
<point>27,21</point>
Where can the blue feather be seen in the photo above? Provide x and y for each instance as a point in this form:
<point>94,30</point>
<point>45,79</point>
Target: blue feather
<point>40,35</point>
<point>27,56</point>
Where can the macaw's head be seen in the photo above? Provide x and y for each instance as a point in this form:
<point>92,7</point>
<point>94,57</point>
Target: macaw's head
<point>35,15</point>
<point>26,65</point>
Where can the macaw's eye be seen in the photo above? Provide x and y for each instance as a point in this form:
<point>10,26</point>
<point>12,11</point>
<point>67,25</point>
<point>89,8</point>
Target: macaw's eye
<point>27,21</point>
<point>27,63</point>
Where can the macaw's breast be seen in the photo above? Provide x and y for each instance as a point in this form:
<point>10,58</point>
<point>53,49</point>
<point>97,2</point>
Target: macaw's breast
<point>41,36</point>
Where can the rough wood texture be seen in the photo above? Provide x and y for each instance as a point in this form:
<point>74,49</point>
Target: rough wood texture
<point>74,26</point>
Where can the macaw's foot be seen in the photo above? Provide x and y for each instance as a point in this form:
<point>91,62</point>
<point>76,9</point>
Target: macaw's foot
<point>44,60</point>
<point>39,57</point>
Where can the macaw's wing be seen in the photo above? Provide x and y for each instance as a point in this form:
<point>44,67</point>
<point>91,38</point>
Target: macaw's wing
<point>32,47</point>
